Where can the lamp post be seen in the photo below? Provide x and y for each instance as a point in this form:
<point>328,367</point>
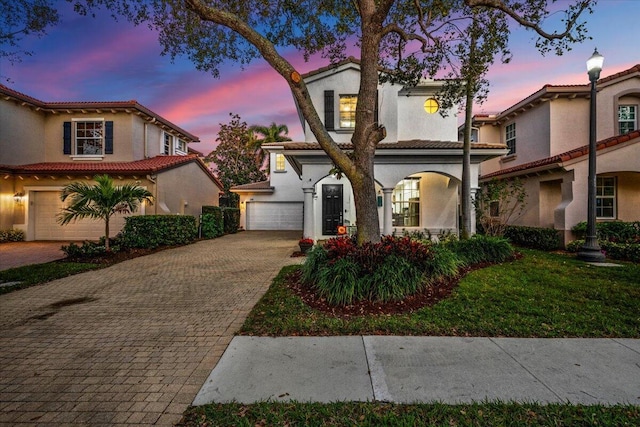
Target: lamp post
<point>591,250</point>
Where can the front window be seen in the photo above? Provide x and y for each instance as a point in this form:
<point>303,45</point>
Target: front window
<point>348,111</point>
<point>168,144</point>
<point>606,197</point>
<point>181,147</point>
<point>89,137</point>
<point>279,162</point>
<point>510,138</point>
<point>406,203</point>
<point>627,119</point>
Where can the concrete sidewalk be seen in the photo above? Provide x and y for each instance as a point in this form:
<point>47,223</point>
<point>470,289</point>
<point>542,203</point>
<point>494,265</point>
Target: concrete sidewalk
<point>426,369</point>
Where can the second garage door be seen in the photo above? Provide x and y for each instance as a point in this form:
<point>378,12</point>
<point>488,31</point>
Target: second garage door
<point>274,215</point>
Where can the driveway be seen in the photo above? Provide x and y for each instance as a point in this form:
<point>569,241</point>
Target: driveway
<point>17,254</point>
<point>132,343</point>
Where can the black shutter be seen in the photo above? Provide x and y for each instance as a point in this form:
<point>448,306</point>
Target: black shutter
<point>66,138</point>
<point>329,123</point>
<point>108,137</point>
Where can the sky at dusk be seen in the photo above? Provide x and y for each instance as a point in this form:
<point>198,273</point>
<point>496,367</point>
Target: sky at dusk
<point>99,59</point>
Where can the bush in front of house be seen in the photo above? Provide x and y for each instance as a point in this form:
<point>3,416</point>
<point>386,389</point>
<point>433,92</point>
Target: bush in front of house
<point>231,220</point>
<point>91,249</point>
<point>151,231</point>
<point>613,231</point>
<point>614,250</point>
<point>481,249</point>
<point>544,239</point>
<point>11,235</point>
<point>212,224</point>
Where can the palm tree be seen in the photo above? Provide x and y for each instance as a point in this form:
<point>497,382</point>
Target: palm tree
<point>271,133</point>
<point>101,201</point>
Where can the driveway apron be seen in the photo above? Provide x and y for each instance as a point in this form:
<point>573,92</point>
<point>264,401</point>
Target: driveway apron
<point>132,343</point>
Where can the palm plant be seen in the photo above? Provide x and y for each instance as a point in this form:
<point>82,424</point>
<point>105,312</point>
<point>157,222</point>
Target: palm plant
<point>271,133</point>
<point>101,201</point>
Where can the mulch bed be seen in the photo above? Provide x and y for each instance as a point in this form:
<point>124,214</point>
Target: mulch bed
<point>116,257</point>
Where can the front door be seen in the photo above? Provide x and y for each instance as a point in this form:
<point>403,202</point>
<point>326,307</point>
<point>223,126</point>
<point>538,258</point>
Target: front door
<point>331,208</point>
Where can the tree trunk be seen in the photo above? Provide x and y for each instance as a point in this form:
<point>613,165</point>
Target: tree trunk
<point>107,246</point>
<point>466,202</point>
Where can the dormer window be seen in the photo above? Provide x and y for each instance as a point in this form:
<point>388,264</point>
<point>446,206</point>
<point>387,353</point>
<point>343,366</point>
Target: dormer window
<point>89,137</point>
<point>627,119</point>
<point>167,147</point>
<point>181,147</point>
<point>280,162</point>
<point>510,138</point>
<point>348,111</point>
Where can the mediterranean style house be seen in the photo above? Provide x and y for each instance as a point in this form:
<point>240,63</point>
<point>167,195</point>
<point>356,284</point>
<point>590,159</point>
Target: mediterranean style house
<point>547,135</point>
<point>46,145</point>
<point>418,166</point>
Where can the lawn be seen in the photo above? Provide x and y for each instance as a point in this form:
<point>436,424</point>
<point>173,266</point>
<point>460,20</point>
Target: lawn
<point>540,295</point>
<point>30,275</point>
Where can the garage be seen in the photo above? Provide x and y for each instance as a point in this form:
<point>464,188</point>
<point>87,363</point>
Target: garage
<point>46,205</point>
<point>274,215</point>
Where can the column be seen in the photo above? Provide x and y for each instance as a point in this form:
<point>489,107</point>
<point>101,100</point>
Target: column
<point>474,190</point>
<point>387,216</point>
<point>308,229</point>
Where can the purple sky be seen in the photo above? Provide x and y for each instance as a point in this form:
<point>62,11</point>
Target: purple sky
<point>98,59</point>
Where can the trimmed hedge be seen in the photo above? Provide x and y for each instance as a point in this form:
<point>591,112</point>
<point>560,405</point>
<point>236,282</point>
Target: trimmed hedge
<point>544,239</point>
<point>151,231</point>
<point>212,224</point>
<point>621,251</point>
<point>231,220</point>
<point>614,231</point>
<point>11,235</point>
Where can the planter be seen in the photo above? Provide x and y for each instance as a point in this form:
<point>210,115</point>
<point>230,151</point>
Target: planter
<point>304,247</point>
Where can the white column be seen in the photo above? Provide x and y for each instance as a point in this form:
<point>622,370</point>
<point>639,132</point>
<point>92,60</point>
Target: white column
<point>387,217</point>
<point>308,229</point>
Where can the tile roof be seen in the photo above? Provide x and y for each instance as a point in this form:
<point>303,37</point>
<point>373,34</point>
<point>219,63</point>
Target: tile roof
<point>262,186</point>
<point>400,145</point>
<point>566,156</point>
<point>138,167</point>
<point>8,93</point>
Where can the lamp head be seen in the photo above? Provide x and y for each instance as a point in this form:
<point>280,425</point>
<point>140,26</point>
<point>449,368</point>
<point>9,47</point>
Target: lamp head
<point>594,65</point>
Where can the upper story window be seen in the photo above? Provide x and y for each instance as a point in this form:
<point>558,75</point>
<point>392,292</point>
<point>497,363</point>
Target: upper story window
<point>348,111</point>
<point>606,197</point>
<point>627,118</point>
<point>279,162</point>
<point>431,106</point>
<point>181,146</point>
<point>89,137</point>
<point>510,138</point>
<point>167,147</point>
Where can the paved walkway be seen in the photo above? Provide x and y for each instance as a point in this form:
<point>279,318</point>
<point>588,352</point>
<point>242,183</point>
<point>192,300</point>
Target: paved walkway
<point>132,343</point>
<point>426,369</point>
<point>17,254</point>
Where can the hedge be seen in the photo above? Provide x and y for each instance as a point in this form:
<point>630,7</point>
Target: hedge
<point>12,235</point>
<point>212,224</point>
<point>614,231</point>
<point>621,251</point>
<point>231,220</point>
<point>544,239</point>
<point>151,231</point>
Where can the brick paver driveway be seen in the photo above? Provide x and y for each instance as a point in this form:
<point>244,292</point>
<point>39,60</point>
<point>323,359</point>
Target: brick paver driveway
<point>132,343</point>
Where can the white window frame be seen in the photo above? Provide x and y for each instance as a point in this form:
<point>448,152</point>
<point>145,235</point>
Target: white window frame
<point>180,146</point>
<point>602,194</point>
<point>633,111</point>
<point>510,138</point>
<point>347,116</point>
<point>403,200</point>
<point>76,138</point>
<point>279,163</point>
<point>167,143</point>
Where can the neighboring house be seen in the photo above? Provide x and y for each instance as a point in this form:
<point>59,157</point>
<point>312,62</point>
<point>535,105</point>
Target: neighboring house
<point>547,134</point>
<point>418,166</point>
<point>46,145</point>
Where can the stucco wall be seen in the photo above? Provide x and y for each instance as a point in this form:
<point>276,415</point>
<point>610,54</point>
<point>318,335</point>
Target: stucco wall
<point>569,124</point>
<point>21,134</point>
<point>415,123</point>
<point>174,197</point>
<point>607,107</point>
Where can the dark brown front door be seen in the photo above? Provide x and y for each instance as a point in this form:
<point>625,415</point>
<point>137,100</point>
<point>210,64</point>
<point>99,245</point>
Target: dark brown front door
<point>331,208</point>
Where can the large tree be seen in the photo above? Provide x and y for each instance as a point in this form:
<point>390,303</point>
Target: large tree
<point>234,157</point>
<point>266,134</point>
<point>101,201</point>
<point>406,36</point>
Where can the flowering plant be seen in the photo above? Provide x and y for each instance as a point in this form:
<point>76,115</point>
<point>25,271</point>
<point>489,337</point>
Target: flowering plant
<point>306,241</point>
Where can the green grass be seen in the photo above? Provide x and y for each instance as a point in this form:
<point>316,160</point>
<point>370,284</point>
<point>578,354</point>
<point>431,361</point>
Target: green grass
<point>541,295</point>
<point>383,414</point>
<point>30,275</point>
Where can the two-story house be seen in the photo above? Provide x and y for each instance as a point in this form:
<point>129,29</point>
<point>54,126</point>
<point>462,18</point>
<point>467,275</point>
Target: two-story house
<point>46,145</point>
<point>418,166</point>
<point>547,135</point>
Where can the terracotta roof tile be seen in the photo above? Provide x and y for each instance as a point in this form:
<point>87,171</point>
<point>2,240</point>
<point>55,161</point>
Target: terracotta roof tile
<point>400,145</point>
<point>566,156</point>
<point>255,186</point>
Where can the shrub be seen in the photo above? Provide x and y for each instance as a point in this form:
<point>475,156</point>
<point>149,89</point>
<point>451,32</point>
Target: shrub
<point>481,249</point>
<point>445,263</point>
<point>151,231</point>
<point>614,231</point>
<point>231,220</point>
<point>11,235</point>
<point>212,224</point>
<point>544,239</point>
<point>91,249</point>
<point>622,251</point>
<point>575,245</point>
<point>337,281</point>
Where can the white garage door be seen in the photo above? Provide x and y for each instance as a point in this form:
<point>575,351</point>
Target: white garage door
<point>274,215</point>
<point>47,204</point>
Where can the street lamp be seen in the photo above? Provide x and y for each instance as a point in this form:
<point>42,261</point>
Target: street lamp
<point>591,250</point>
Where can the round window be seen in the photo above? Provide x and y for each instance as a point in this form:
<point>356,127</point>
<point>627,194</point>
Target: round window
<point>431,106</point>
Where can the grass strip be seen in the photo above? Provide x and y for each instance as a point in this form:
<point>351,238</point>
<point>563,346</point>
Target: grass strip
<point>385,414</point>
<point>30,275</point>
